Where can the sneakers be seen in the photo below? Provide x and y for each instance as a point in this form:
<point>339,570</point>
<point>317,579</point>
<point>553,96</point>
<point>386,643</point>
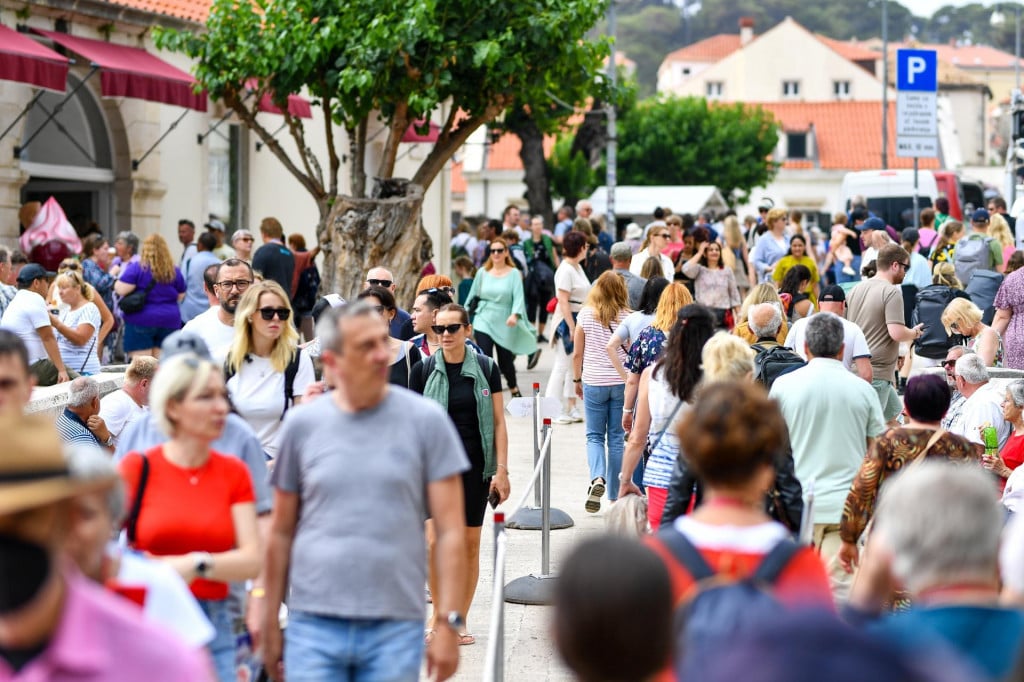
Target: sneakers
<point>564,418</point>
<point>594,494</point>
<point>542,339</point>
<point>532,358</point>
<point>574,414</point>
<point>847,270</point>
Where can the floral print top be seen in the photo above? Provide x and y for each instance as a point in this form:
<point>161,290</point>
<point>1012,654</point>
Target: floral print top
<point>646,350</point>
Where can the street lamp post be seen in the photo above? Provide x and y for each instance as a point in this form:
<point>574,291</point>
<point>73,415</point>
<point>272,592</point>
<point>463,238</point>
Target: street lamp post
<point>885,84</point>
<point>611,172</point>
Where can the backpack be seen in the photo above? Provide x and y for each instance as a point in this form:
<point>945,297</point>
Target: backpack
<point>982,288</point>
<point>289,378</point>
<point>931,302</point>
<point>459,249</point>
<point>718,608</point>
<point>972,253</point>
<point>308,290</point>
<point>771,362</point>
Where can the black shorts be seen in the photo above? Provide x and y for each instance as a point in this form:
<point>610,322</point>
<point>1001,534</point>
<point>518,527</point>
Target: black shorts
<point>475,490</point>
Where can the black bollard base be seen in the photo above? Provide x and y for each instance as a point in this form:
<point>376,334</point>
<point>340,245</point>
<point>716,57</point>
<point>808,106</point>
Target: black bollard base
<point>529,518</point>
<point>531,590</point>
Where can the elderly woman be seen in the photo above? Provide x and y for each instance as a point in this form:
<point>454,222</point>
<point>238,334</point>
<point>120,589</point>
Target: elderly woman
<point>78,328</point>
<point>937,532</point>
<point>962,317</point>
<point>1011,456</point>
<point>926,400</point>
<point>665,395</point>
<point>714,283</point>
<point>155,274</point>
<point>193,507</point>
<point>761,293</point>
<point>126,250</point>
<point>771,247</point>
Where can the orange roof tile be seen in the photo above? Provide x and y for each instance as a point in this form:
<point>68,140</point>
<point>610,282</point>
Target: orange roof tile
<point>848,134</point>
<point>458,184</point>
<point>504,154</point>
<point>849,49</point>
<point>190,10</point>
<point>973,56</point>
<point>708,50</point>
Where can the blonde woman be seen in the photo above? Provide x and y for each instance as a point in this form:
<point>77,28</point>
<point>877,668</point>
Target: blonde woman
<point>772,246</point>
<point>266,371</point>
<point>962,317</point>
<point>727,358</point>
<point>156,275</point>
<point>597,382</point>
<point>655,241</point>
<point>762,293</point>
<point>78,327</point>
<point>735,255</point>
<point>999,230</point>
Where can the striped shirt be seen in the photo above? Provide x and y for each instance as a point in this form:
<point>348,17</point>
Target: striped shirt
<point>597,368</point>
<point>73,430</point>
<point>659,468</point>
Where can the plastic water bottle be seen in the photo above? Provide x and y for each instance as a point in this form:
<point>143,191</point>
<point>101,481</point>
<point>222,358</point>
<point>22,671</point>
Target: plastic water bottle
<point>991,439</point>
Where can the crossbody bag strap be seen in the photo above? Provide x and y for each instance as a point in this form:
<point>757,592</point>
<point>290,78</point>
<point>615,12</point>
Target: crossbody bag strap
<point>928,446</point>
<point>132,523</point>
<point>668,423</point>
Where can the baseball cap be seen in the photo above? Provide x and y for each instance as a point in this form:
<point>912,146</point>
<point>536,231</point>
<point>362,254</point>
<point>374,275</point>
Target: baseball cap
<point>872,224</point>
<point>980,216</point>
<point>832,293</point>
<point>215,225</point>
<point>32,272</point>
<point>911,234</point>
<point>620,251</point>
<point>184,342</point>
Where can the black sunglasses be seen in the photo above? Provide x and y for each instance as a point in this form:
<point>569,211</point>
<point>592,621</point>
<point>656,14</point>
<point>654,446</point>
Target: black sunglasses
<point>386,283</point>
<point>949,363</point>
<point>905,266</point>
<point>497,250</point>
<point>440,329</point>
<point>268,313</point>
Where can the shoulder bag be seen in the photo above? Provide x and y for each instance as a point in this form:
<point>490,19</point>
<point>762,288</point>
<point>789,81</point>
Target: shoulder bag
<point>136,301</point>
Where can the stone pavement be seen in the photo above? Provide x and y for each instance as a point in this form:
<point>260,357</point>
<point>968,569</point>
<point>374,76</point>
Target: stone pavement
<point>529,650</point>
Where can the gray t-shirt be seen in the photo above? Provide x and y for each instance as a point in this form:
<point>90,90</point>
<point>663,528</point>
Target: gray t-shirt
<point>361,477</point>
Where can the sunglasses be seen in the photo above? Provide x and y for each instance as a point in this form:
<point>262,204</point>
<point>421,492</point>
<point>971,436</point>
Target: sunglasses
<point>386,283</point>
<point>440,329</point>
<point>378,308</point>
<point>268,313</point>
<point>497,250</point>
<point>949,363</point>
<point>228,284</point>
<point>665,235</point>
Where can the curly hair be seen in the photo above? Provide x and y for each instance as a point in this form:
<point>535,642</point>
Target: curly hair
<point>608,297</point>
<point>733,431</point>
<point>681,363</point>
<point>286,345</point>
<point>156,257</point>
<point>674,298</point>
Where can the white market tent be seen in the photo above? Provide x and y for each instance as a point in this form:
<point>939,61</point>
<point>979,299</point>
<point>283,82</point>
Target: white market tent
<point>634,201</point>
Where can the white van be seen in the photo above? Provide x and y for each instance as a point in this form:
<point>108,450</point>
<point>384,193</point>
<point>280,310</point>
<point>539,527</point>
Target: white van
<point>890,193</point>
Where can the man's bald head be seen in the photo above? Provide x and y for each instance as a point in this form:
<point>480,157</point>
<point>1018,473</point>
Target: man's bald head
<point>381,277</point>
<point>765,320</point>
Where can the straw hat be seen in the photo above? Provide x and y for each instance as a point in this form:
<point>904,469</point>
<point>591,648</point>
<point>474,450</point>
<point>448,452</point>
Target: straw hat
<point>33,472</point>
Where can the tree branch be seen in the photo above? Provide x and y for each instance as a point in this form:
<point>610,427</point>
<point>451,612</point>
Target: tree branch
<point>399,124</point>
<point>449,141</point>
<point>332,153</point>
<point>359,162</point>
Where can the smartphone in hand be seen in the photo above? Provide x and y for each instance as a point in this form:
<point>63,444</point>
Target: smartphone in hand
<point>494,498</point>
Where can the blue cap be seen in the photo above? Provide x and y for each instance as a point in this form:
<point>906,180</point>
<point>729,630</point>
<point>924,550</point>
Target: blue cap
<point>872,224</point>
<point>980,216</point>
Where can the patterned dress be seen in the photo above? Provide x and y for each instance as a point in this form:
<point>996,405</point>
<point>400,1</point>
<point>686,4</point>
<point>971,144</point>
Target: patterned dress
<point>646,350</point>
<point>1011,297</point>
<point>891,453</point>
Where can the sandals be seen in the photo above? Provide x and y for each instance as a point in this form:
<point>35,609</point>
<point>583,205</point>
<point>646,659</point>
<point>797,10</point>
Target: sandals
<point>465,639</point>
<point>594,494</point>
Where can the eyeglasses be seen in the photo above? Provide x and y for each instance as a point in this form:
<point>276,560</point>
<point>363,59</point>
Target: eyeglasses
<point>268,313</point>
<point>664,235</point>
<point>440,329</point>
<point>68,266</point>
<point>228,284</point>
<point>378,308</point>
<point>949,363</point>
<point>497,250</point>
<point>905,266</point>
<point>447,291</point>
<point>244,239</point>
<point>386,283</point>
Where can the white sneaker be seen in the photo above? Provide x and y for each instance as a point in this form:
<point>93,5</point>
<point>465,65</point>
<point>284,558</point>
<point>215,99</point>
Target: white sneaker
<point>575,415</point>
<point>847,270</point>
<point>563,418</point>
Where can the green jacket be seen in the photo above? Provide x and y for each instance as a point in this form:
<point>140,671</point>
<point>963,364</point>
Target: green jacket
<point>548,245</point>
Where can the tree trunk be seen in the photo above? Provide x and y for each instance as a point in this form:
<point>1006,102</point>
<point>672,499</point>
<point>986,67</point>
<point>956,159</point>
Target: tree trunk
<point>531,152</point>
<point>386,232</point>
<point>591,140</point>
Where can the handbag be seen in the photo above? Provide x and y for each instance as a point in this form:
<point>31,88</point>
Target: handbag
<point>136,301</point>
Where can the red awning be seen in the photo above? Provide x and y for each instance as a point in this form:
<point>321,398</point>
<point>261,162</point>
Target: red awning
<point>23,60</point>
<point>297,106</point>
<point>430,137</point>
<point>133,72</point>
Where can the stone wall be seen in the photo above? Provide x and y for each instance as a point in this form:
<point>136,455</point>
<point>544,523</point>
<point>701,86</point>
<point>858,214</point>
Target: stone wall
<point>51,400</point>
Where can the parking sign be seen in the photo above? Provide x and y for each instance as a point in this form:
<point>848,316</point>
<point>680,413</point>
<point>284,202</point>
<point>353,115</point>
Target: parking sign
<point>917,81</point>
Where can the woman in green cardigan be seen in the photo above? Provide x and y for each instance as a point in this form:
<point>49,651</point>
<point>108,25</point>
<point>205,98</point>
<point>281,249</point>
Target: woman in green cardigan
<point>468,386</point>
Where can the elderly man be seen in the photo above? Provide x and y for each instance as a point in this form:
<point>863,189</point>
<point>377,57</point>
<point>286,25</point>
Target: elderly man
<point>187,237</point>
<point>55,624</point>
<point>956,401</point>
<point>764,321</point>
<point>983,404</point>
<point>382,277</point>
<point>833,419</point>
<point>80,422</point>
<point>856,354</point>
<point>620,256</point>
<point>28,317</point>
<point>131,401</point>
<point>937,532</point>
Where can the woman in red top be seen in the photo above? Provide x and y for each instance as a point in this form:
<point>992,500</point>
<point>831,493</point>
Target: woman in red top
<point>731,437</point>
<point>197,508</point>
<point>1012,454</point>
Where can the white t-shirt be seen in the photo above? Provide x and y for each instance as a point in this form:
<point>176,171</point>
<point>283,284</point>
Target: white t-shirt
<point>118,410</point>
<point>631,327</point>
<point>24,315</point>
<point>855,345</point>
<point>983,407</point>
<point>569,277</point>
<point>82,359</point>
<point>257,392</point>
<point>636,264</point>
<point>208,326</point>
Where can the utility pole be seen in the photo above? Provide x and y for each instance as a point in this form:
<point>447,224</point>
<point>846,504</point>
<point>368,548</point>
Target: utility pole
<point>885,84</point>
<point>611,172</point>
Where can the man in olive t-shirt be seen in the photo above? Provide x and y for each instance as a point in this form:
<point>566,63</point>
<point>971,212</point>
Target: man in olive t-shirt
<point>876,306</point>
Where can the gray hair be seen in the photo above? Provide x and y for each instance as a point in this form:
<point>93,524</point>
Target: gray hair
<point>972,369</point>
<point>328,329</point>
<point>824,335</point>
<point>82,391</point>
<point>130,239</point>
<point>771,326</point>
<point>5,255</point>
<point>90,463</point>
<point>1015,389</point>
<point>942,523</point>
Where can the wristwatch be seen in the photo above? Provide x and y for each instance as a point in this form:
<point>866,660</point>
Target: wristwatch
<point>204,564</point>
<point>456,622</point>
<point>109,442</point>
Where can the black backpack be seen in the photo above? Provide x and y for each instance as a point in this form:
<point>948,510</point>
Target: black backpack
<point>931,302</point>
<point>289,378</point>
<point>308,290</point>
<point>773,361</point>
<point>982,289</point>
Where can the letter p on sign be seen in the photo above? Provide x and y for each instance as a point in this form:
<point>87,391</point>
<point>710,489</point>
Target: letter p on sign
<point>915,67</point>
<point>916,70</point>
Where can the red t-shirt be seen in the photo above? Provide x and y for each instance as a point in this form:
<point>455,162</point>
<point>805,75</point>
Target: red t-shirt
<point>188,510</point>
<point>1012,454</point>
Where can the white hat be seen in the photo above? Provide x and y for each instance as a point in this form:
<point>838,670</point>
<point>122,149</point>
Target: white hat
<point>634,231</point>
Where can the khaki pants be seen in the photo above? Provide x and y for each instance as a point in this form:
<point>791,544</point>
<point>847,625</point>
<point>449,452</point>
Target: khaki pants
<point>45,372</point>
<point>827,543</point>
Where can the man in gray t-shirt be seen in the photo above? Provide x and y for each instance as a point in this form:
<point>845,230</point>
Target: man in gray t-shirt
<point>358,472</point>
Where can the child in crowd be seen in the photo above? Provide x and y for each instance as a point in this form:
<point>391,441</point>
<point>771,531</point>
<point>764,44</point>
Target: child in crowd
<point>838,248</point>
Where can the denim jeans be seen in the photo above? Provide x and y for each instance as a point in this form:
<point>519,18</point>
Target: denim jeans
<point>222,648</point>
<point>326,649</point>
<point>603,405</point>
<point>842,277</point>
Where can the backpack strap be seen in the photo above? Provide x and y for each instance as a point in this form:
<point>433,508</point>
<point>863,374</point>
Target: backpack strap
<point>289,380</point>
<point>686,554</point>
<point>133,516</point>
<point>775,562</point>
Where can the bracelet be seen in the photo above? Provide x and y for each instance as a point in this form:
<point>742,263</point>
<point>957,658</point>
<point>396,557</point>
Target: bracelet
<point>627,410</point>
<point>503,467</point>
<point>257,593</point>
<point>577,381</point>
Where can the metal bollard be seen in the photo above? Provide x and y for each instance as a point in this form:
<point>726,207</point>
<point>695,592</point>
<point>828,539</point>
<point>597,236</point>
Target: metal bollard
<point>499,661</point>
<point>545,509</point>
<point>536,436</point>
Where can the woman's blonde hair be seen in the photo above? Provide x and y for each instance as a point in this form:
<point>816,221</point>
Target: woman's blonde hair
<point>773,215</point>
<point>999,230</point>
<point>608,298</point>
<point>762,293</point>
<point>489,264</point>
<point>727,358</point>
<point>156,256</point>
<point>673,299</point>
<point>652,268</point>
<point>73,278</point>
<point>962,313</point>
<point>731,231</point>
<point>286,345</point>
<point>945,274</point>
<point>180,378</point>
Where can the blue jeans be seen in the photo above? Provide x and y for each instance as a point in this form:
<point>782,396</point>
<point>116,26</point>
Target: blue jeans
<point>841,277</point>
<point>603,409</point>
<point>325,649</point>
<point>222,648</point>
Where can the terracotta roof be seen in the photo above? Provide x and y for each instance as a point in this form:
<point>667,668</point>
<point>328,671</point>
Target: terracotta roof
<point>973,56</point>
<point>458,179</point>
<point>849,49</point>
<point>190,10</point>
<point>710,49</point>
<point>848,134</point>
<point>504,154</point>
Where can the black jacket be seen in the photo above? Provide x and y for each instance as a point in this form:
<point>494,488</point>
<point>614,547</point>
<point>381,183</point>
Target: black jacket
<point>684,484</point>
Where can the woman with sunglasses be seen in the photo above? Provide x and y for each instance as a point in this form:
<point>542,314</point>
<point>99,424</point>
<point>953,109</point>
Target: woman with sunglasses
<point>266,371</point>
<point>78,326</point>
<point>658,237</point>
<point>962,317</point>
<point>91,293</point>
<point>468,385</point>
<point>404,354</point>
<point>500,316</point>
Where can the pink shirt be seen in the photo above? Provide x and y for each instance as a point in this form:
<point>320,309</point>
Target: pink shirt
<point>103,638</point>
